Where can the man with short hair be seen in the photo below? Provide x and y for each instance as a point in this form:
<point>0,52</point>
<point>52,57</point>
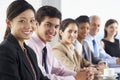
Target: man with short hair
<point>82,46</point>
<point>48,21</point>
<point>95,45</point>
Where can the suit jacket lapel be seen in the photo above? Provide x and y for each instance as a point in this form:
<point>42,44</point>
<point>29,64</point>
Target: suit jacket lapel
<point>20,52</point>
<point>25,62</point>
<point>65,48</point>
<point>32,57</point>
<point>76,57</point>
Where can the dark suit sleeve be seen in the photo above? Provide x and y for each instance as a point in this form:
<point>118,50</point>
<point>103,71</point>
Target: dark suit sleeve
<point>85,63</point>
<point>34,58</point>
<point>89,55</point>
<point>8,65</point>
<point>95,60</point>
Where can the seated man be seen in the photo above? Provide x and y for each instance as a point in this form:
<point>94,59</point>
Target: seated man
<point>48,21</point>
<point>82,46</point>
<point>95,45</point>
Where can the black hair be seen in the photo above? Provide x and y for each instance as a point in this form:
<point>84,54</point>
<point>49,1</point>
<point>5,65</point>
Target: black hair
<point>14,9</point>
<point>49,11</point>
<point>83,19</point>
<point>109,22</point>
<point>65,23</point>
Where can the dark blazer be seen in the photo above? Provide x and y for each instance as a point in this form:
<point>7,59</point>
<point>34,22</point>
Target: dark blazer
<point>14,64</point>
<point>88,54</point>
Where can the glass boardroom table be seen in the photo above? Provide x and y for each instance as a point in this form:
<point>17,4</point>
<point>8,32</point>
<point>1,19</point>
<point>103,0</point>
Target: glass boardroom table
<point>116,76</point>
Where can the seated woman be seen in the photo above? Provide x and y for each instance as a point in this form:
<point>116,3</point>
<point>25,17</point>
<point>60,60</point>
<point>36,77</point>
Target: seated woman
<point>83,31</point>
<point>83,47</point>
<point>17,60</point>
<point>65,51</point>
<point>109,42</point>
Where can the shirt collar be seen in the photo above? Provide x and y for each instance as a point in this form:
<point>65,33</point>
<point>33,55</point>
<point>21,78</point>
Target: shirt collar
<point>77,43</point>
<point>91,37</point>
<point>38,40</point>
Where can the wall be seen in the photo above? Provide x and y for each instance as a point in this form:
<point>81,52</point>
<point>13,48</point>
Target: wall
<point>105,9</point>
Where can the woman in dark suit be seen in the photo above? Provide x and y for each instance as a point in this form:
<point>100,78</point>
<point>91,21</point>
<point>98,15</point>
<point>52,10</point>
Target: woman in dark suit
<point>17,60</point>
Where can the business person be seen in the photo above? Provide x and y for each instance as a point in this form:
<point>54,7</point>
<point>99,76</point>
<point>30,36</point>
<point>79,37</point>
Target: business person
<point>17,60</point>
<point>65,51</point>
<point>95,44</point>
<point>81,44</point>
<point>110,43</point>
<point>48,22</point>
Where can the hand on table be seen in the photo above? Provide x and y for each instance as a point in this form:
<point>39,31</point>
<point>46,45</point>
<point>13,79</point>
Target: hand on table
<point>100,67</point>
<point>118,60</point>
<point>84,74</point>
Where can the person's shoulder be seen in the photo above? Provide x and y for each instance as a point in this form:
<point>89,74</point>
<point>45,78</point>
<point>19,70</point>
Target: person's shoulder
<point>88,38</point>
<point>8,48</point>
<point>57,45</point>
<point>3,45</point>
<point>7,45</point>
<point>117,40</point>
<point>84,42</point>
<point>77,44</point>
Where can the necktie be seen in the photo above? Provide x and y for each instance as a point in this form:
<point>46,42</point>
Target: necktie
<point>95,48</point>
<point>25,51</point>
<point>44,59</point>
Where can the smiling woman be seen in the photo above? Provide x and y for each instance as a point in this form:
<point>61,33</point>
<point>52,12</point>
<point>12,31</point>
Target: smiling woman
<point>109,9</point>
<point>22,24</point>
<point>3,8</point>
<point>19,61</point>
<point>64,50</point>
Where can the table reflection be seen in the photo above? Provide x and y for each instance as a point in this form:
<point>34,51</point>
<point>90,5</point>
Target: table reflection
<point>103,78</point>
<point>116,77</point>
